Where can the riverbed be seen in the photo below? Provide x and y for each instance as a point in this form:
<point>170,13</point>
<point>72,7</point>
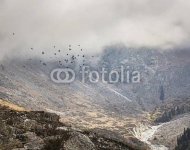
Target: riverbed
<point>146,135</point>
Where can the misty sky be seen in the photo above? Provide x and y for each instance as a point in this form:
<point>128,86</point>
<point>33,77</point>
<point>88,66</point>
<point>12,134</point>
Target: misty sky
<point>93,24</point>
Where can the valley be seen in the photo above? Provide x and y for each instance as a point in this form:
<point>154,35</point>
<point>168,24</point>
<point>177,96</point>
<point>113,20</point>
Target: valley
<point>116,107</point>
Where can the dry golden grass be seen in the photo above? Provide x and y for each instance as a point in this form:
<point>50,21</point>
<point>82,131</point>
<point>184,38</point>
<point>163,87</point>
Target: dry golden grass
<point>12,106</point>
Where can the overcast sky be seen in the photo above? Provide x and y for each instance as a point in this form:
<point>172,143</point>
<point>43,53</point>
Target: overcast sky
<point>93,24</point>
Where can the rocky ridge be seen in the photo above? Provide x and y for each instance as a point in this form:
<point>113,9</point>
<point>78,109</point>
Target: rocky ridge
<point>36,130</point>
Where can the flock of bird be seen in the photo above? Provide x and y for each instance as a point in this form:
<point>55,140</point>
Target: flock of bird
<point>69,59</point>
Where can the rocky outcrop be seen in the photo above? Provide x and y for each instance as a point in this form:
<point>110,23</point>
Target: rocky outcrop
<point>33,142</point>
<point>36,130</point>
<point>30,124</point>
<point>79,141</point>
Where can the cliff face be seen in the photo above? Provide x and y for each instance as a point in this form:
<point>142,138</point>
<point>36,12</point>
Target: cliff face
<point>41,130</point>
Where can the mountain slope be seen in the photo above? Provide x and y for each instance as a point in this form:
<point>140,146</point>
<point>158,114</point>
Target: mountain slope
<point>42,130</point>
<point>117,107</point>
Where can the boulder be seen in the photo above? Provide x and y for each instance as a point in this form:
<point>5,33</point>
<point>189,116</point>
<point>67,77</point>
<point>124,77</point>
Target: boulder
<point>33,142</point>
<point>78,141</point>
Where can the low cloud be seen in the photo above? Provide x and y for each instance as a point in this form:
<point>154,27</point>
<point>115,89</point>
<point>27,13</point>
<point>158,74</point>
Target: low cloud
<point>93,24</point>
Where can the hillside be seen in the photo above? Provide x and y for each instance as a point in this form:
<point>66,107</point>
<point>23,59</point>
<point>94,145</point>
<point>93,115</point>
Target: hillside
<point>41,130</point>
<point>183,141</point>
<point>11,106</point>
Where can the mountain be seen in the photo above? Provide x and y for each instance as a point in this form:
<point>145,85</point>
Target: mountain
<point>118,107</point>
